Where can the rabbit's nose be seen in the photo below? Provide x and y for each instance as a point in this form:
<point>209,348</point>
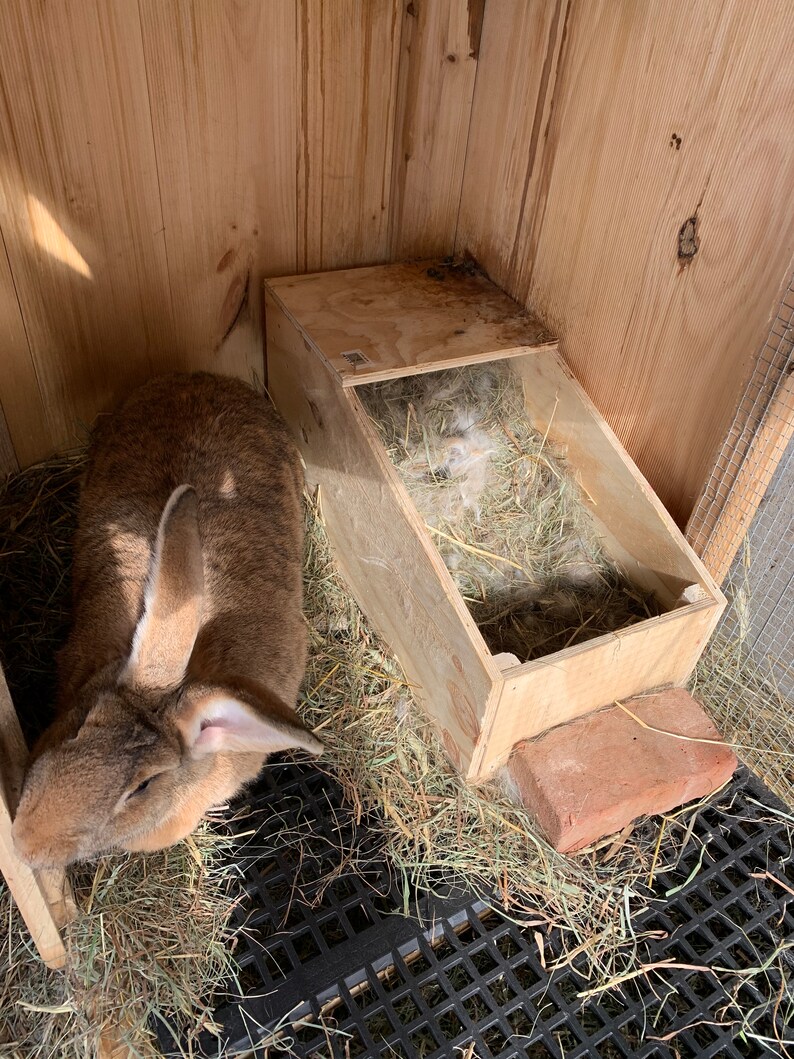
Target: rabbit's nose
<point>35,850</point>
<point>24,843</point>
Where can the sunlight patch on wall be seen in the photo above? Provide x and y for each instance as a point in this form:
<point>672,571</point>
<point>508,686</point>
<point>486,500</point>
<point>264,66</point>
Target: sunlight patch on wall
<point>49,235</point>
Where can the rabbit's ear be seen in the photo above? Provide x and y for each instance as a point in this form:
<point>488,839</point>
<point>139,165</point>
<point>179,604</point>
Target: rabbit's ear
<point>217,721</point>
<point>173,598</point>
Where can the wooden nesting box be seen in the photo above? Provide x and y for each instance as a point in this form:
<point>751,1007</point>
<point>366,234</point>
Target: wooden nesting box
<point>329,333</point>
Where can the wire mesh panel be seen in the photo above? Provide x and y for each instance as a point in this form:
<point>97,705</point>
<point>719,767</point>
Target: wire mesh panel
<point>761,583</point>
<point>747,676</point>
<point>330,966</point>
<point>758,438</point>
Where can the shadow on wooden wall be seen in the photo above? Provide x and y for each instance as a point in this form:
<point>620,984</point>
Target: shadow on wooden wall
<point>186,149</point>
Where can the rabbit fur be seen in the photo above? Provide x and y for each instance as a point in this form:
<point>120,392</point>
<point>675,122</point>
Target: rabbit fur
<point>188,644</point>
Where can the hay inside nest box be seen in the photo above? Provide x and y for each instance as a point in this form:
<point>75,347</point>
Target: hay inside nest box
<point>504,509</point>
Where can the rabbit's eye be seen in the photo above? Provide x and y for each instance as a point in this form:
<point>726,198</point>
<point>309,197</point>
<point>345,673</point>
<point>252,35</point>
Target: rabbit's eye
<point>142,786</point>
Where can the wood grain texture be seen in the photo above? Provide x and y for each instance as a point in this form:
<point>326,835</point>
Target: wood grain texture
<point>29,896</point>
<point>43,897</point>
<point>26,432</point>
<point>748,488</point>
<point>223,85</point>
<point>398,320</point>
<point>160,158</point>
<point>518,57</point>
<point>381,544</point>
<point>658,115</point>
<point>80,215</point>
<point>615,493</point>
<point>756,443</point>
<point>8,457</point>
<point>349,53</point>
<point>438,64</point>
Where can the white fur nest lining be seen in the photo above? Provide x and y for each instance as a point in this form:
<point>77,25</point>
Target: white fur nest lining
<point>504,508</point>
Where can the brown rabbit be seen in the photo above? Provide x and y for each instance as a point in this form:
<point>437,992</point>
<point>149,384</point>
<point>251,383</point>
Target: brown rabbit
<point>188,644</point>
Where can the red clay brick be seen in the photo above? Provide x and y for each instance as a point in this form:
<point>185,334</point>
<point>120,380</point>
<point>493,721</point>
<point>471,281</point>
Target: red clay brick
<point>592,777</point>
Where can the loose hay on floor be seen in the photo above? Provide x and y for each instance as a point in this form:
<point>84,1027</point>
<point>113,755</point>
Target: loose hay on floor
<point>436,826</point>
<point>152,932</point>
<point>742,694</point>
<point>504,509</point>
<point>149,942</point>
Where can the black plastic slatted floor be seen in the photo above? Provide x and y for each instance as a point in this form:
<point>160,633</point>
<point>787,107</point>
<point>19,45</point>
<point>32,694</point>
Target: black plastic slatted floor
<point>456,979</point>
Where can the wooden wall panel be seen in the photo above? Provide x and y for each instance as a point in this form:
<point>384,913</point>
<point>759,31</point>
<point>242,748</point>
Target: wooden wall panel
<point>519,52</point>
<point>439,51</point>
<point>349,52</point>
<point>160,158</point>
<point>658,113</point>
<point>223,81</point>
<point>24,431</point>
<point>80,214</point>
<point>8,456</point>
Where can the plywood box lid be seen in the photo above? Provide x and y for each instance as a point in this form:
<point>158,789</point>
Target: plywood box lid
<point>389,321</point>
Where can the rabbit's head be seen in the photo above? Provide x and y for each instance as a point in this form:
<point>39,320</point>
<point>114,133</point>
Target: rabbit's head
<point>146,750</point>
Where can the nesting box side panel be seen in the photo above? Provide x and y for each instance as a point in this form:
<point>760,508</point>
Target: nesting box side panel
<point>615,492</point>
<point>540,695</point>
<point>396,576</point>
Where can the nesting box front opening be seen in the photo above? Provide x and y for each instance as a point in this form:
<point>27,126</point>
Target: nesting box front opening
<point>330,334</point>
